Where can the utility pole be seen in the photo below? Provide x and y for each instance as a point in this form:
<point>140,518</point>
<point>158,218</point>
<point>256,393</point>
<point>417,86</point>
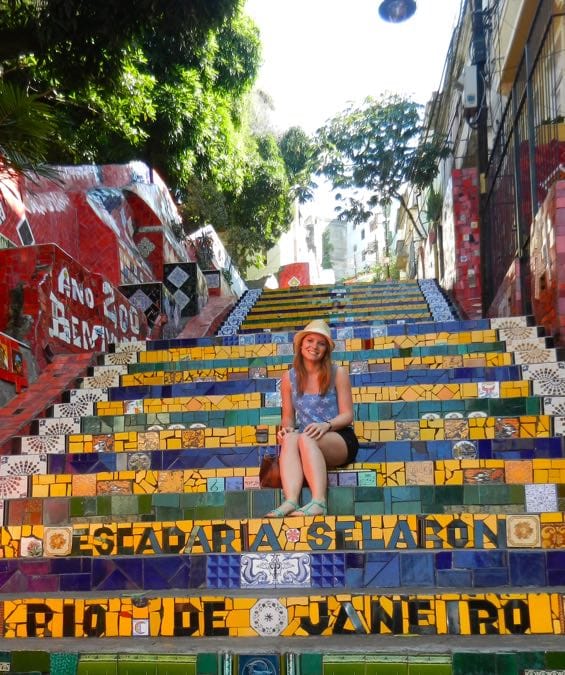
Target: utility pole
<point>479,60</point>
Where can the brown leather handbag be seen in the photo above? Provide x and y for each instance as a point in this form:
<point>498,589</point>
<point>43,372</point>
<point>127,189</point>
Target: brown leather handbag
<point>269,470</point>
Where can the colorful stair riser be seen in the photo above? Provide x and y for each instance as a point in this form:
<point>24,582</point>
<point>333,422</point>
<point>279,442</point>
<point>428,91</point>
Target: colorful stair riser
<point>338,552</point>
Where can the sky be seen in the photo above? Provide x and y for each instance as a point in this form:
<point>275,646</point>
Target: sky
<point>318,55</point>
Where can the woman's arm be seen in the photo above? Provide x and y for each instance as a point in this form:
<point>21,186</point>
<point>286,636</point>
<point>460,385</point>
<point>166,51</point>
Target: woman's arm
<point>287,415</point>
<point>344,400</point>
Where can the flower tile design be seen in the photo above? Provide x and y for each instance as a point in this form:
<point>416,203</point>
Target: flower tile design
<point>17,465</point>
<point>554,405</point>
<point>523,531</point>
<point>509,322</point>
<point>88,395</point>
<point>55,426</point>
<point>31,547</point>
<point>148,441</point>
<point>130,346</point>
<point>553,535</point>
<point>13,487</point>
<point>57,541</point>
<point>43,445</point>
<point>78,408</point>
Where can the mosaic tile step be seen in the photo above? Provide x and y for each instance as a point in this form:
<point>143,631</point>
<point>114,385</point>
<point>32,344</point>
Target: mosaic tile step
<point>216,412</point>
<point>362,411</point>
<point>78,400</point>
<point>336,320</point>
<point>469,535</point>
<point>66,439</point>
<point>111,377</point>
<point>274,367</point>
<point>269,311</point>
<point>468,569</point>
<point>228,462</point>
<point>116,502</point>
<point>465,341</point>
<point>508,328</point>
<point>391,474</point>
<point>264,318</point>
<point>282,354</point>
<point>297,615</point>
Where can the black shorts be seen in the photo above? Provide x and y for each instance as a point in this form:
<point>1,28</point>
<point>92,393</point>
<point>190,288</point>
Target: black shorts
<point>351,442</point>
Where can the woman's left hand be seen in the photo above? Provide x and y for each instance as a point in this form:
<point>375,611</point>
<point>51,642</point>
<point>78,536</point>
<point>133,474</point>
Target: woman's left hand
<point>316,429</point>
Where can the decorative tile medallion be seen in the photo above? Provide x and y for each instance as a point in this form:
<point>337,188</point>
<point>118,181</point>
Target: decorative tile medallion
<point>523,531</point>
<point>269,617</point>
<point>57,541</point>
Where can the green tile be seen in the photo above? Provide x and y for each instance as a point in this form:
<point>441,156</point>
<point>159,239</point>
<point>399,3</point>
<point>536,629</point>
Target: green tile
<point>311,664</point>
<point>145,504</point>
<point>169,500</point>
<point>124,505</point>
<point>553,660</point>
<point>533,660</point>
<point>407,507</point>
<point>473,663</point>
<point>169,513</point>
<point>237,504</point>
<point>429,669</point>
<point>35,662</point>
<point>210,512</point>
<point>341,501</point>
<point>63,663</point>
<point>207,664</point>
<point>76,509</point>
<point>104,505</point>
<point>386,669</point>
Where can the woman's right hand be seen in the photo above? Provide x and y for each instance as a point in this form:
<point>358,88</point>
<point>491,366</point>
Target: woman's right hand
<point>282,432</point>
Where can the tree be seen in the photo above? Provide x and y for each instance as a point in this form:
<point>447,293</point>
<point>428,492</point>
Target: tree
<point>298,152</point>
<point>374,150</point>
<point>26,125</point>
<point>262,210</point>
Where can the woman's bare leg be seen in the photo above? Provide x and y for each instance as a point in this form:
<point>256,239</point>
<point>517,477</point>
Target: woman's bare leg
<point>292,475</point>
<point>316,457</point>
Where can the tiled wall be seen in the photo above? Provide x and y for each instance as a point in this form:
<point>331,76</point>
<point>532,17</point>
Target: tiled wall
<point>68,308</point>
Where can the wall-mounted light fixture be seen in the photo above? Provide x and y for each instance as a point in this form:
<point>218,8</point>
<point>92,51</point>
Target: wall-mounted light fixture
<point>396,11</point>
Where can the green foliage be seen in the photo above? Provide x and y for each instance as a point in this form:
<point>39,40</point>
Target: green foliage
<point>165,82</point>
<point>374,150</point>
<point>298,152</point>
<point>262,210</point>
<point>434,206</point>
<point>386,271</point>
<point>26,125</point>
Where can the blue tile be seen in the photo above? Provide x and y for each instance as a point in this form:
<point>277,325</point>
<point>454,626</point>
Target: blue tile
<point>382,569</point>
<point>454,578</point>
<point>527,568</point>
<point>417,569</point>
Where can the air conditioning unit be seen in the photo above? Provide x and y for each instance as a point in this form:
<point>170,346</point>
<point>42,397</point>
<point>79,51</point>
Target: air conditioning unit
<point>470,94</point>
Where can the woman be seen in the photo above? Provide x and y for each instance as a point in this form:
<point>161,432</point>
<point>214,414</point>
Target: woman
<point>317,412</point>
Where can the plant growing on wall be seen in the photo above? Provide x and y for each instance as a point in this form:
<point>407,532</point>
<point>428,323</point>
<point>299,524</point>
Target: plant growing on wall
<point>203,249</point>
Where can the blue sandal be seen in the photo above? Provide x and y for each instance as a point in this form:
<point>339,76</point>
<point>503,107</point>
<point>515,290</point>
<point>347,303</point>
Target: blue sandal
<point>281,512</point>
<point>313,508</point>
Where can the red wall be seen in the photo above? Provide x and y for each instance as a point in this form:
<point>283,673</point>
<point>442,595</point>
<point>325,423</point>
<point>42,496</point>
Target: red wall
<point>295,274</point>
<point>70,308</point>
<point>467,287</point>
<point>547,263</point>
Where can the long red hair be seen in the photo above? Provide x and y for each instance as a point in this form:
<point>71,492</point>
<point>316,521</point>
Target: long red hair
<point>324,372</point>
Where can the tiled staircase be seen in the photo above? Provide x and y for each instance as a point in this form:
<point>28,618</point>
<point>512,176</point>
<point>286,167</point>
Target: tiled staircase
<point>133,515</point>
